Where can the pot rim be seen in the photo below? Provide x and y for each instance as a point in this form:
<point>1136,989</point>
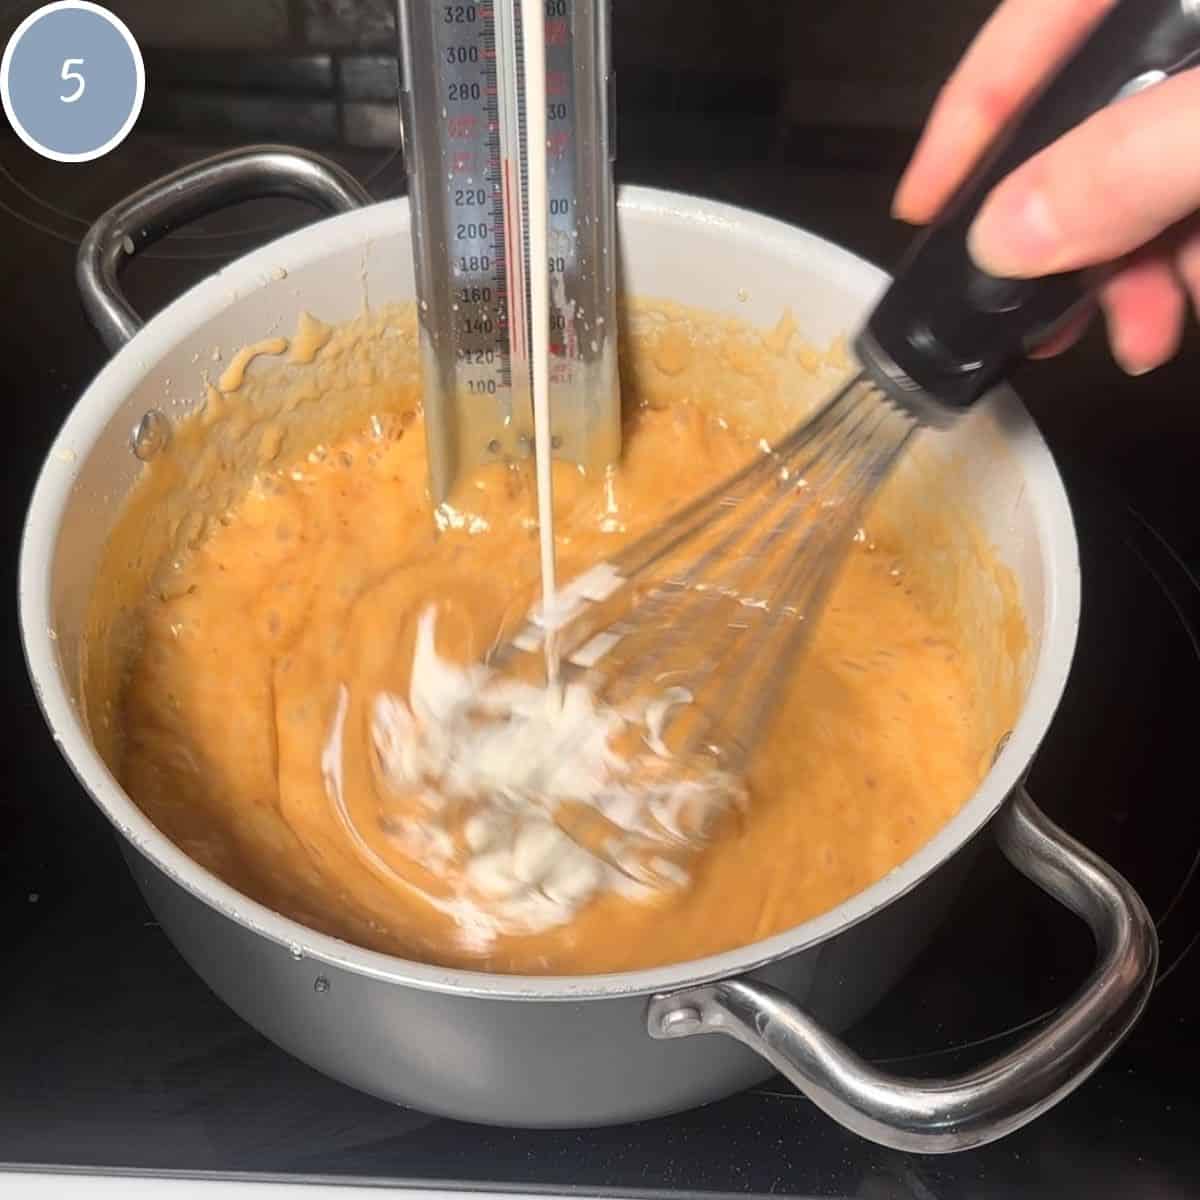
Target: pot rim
<point>350,231</point>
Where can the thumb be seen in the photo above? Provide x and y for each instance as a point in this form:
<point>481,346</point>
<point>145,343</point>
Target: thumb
<point>1101,191</point>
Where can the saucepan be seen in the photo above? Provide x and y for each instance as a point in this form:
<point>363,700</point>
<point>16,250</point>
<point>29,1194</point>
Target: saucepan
<point>581,1051</point>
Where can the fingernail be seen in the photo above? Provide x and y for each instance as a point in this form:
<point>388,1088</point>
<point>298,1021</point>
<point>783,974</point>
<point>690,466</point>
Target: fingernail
<point>1016,234</point>
<point>902,206</point>
<point>901,203</point>
<point>1130,362</point>
<point>1132,368</point>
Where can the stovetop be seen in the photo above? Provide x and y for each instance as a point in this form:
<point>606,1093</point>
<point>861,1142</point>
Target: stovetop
<point>114,1056</point>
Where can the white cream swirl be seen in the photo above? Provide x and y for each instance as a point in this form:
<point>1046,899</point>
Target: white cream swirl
<point>517,797</point>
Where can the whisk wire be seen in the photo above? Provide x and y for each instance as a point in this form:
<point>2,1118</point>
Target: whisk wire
<point>798,549</point>
<point>724,627</point>
<point>749,687</point>
<point>685,595</point>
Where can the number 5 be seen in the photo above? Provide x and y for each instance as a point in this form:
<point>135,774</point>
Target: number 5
<point>68,75</point>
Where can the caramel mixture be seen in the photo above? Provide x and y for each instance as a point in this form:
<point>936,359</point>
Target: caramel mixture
<point>310,587</point>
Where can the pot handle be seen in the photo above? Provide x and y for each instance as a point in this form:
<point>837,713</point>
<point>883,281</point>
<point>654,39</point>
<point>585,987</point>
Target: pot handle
<point>939,1116</point>
<point>141,219</point>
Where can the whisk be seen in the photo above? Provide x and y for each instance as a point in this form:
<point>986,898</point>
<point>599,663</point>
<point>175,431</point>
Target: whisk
<point>701,619</point>
<point>704,614</point>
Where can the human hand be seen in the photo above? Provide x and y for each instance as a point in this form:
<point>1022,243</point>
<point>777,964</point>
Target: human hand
<point>1122,187</point>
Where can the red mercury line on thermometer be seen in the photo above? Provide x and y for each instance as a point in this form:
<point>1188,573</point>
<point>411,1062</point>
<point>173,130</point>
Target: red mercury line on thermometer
<point>463,110</point>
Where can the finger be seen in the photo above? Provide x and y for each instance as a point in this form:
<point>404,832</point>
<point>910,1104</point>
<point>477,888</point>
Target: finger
<point>1147,292</point>
<point>1066,337</point>
<point>1105,189</point>
<point>1144,305</point>
<point>1187,263</point>
<point>1015,52</point>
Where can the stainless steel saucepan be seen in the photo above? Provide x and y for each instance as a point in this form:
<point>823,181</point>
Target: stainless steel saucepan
<point>587,1050</point>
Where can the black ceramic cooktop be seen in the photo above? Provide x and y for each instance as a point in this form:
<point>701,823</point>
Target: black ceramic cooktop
<point>114,1056</point>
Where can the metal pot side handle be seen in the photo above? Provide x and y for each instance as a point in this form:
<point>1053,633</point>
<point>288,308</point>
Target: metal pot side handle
<point>141,219</point>
<point>940,1116</point>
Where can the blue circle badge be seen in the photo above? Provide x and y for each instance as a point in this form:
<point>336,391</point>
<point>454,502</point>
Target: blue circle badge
<point>72,80</point>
